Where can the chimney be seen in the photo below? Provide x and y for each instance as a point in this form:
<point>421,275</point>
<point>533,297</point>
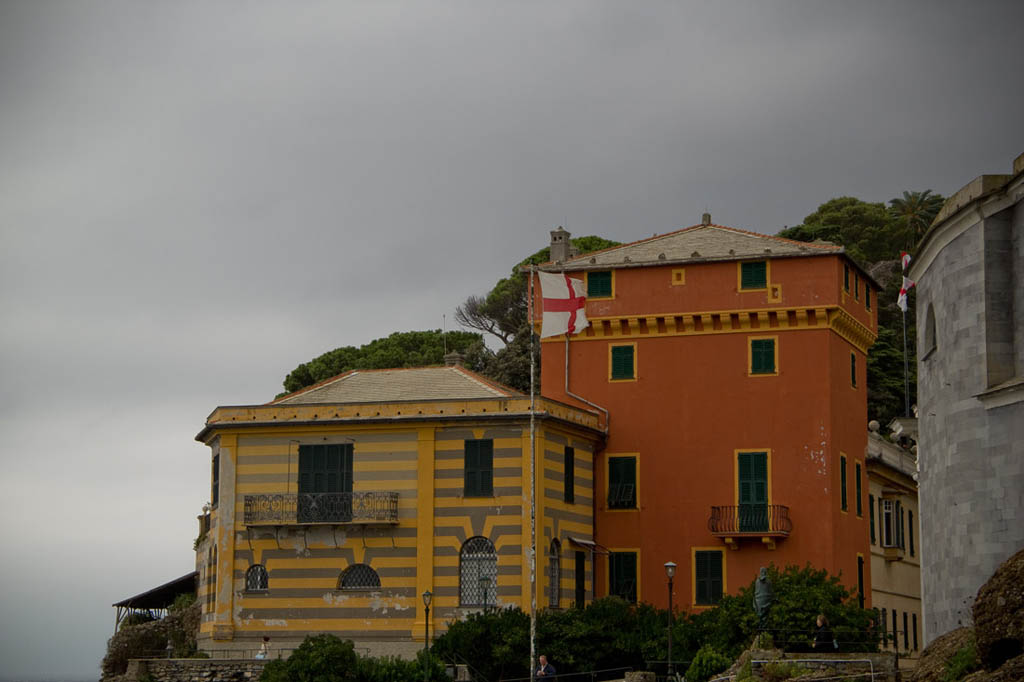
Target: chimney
<point>560,247</point>
<point>705,219</point>
<point>453,359</point>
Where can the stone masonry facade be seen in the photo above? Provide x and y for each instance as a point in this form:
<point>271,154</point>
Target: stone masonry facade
<point>970,321</point>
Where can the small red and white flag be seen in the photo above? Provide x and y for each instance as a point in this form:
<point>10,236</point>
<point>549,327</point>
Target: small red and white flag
<point>902,300</point>
<point>907,283</point>
<point>564,305</point>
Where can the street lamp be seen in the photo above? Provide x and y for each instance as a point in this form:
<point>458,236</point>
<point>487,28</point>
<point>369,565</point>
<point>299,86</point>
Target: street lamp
<point>485,582</point>
<point>427,596</point>
<point>670,571</point>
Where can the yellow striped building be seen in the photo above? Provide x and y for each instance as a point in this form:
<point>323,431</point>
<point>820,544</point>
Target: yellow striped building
<point>333,509</point>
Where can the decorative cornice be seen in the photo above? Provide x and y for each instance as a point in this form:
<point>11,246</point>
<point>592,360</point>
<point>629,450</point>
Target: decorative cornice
<point>726,322</point>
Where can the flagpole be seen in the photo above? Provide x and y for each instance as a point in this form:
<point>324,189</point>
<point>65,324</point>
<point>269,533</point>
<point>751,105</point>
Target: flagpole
<point>906,368</point>
<point>533,495</point>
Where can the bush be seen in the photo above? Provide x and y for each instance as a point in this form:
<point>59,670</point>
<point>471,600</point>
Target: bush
<point>706,663</point>
<point>777,672</point>
<point>962,663</point>
<point>320,658</point>
<point>391,669</point>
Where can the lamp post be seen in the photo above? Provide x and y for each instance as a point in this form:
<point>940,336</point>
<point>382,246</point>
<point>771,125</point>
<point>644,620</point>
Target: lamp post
<point>485,582</point>
<point>427,596</point>
<point>670,571</point>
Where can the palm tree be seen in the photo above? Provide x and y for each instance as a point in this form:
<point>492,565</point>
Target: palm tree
<point>916,210</point>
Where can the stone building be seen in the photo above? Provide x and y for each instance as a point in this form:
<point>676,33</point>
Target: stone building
<point>895,537</point>
<point>335,508</point>
<point>970,324</point>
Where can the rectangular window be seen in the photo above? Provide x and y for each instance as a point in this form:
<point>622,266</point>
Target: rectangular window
<point>846,278</point>
<point>853,370</point>
<point>754,275</point>
<point>906,633</point>
<point>842,482</point>
<point>215,485</point>
<point>860,505</point>
<point>888,527</point>
<point>910,530</point>
<point>871,511</point>
<point>913,620</point>
<point>479,468</point>
<point>569,467</point>
<point>622,362</point>
<point>895,631</point>
<point>599,284</point>
<point>708,570</point>
<point>885,628</point>
<point>581,579</point>
<point>325,482</point>
<point>867,297</point>
<point>856,286</point>
<point>762,356</point>
<point>622,575</point>
<point>752,488</point>
<point>622,482</point>
<point>901,527</point>
<point>860,580</point>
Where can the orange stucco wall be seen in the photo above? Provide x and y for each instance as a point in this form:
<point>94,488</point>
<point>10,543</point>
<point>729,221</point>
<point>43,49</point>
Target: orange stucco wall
<point>694,404</point>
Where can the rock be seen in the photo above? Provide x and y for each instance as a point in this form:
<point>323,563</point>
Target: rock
<point>932,665</point>
<point>999,614</point>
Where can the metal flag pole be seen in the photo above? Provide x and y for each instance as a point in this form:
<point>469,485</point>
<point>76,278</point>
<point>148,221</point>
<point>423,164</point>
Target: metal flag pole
<point>906,368</point>
<point>533,495</point>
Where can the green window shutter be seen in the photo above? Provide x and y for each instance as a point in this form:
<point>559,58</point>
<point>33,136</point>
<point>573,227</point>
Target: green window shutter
<point>867,297</point>
<point>853,369</point>
<point>754,275</point>
<point>622,362</point>
<point>910,530</point>
<point>621,482</point>
<point>215,483</point>
<point>762,356</point>
<point>479,468</point>
<point>842,482</point>
<point>846,277</point>
<point>860,505</point>
<point>569,469</point>
<point>622,575</point>
<point>599,284</point>
<point>856,286</point>
<point>752,472</point>
<point>871,512</point>
<point>325,468</point>
<point>708,571</point>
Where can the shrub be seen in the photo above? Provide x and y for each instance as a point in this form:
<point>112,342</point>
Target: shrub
<point>777,672</point>
<point>706,663</point>
<point>133,641</point>
<point>962,663</point>
<point>320,658</point>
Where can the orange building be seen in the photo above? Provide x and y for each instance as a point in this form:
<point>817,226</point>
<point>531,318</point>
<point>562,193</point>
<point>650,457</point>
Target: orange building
<point>732,366</point>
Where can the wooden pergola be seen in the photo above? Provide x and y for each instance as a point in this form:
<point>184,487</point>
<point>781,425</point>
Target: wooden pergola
<point>157,599</point>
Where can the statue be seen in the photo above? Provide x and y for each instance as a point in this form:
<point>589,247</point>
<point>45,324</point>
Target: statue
<point>763,596</point>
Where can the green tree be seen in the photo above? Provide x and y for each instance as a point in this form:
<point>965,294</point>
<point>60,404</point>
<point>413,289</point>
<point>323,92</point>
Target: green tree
<point>401,349</point>
<point>863,229</point>
<point>914,213</point>
<point>320,658</point>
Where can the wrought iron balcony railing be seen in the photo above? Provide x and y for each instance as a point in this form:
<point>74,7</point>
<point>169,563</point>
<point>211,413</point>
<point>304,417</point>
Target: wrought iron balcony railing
<point>750,519</point>
<point>298,508</point>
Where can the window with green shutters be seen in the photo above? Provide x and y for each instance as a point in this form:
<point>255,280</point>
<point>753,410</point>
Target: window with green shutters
<point>762,356</point>
<point>846,277</point>
<point>215,483</point>
<point>599,284</point>
<point>860,505</point>
<point>853,370</point>
<point>842,482</point>
<point>622,482</point>
<point>754,275</point>
<point>752,472</point>
<point>867,297</point>
<point>479,468</point>
<point>856,286</point>
<point>708,574</point>
<point>325,479</point>
<point>569,467</point>
<point>871,512</point>
<point>622,575</point>
<point>622,362</point>
<point>910,530</point>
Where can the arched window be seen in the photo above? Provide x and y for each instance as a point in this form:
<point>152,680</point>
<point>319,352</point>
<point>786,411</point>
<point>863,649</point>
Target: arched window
<point>256,579</point>
<point>555,574</point>
<point>359,577</point>
<point>478,573</point>
<point>929,330</point>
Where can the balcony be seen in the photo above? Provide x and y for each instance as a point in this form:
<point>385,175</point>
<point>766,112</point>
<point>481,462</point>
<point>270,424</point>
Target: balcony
<point>765,521</point>
<point>287,509</point>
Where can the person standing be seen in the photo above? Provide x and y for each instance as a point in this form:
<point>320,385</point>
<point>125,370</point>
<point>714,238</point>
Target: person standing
<point>823,637</point>
<point>546,669</point>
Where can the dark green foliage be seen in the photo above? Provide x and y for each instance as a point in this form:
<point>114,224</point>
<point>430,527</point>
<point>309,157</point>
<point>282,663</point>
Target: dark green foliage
<point>914,213</point>
<point>962,663</point>
<point>401,349</point>
<point>320,658</point>
<point>864,229</point>
<point>392,669</point>
<point>138,618</point>
<point>150,638</point>
<point>706,663</point>
<point>494,644</point>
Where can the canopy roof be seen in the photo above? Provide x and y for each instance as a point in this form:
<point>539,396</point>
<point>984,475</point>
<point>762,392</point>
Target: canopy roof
<point>163,596</point>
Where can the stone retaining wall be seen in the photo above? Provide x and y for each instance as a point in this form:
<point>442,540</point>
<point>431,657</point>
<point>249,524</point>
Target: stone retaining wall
<point>194,670</point>
<point>883,665</point>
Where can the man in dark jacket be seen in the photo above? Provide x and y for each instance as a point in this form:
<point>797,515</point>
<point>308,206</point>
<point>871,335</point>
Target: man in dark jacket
<point>546,669</point>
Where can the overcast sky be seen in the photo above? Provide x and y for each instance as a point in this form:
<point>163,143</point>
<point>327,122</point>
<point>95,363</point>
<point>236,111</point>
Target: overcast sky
<point>196,197</point>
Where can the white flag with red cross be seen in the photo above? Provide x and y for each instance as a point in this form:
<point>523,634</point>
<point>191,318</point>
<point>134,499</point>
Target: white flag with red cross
<point>908,284</point>
<point>563,305</point>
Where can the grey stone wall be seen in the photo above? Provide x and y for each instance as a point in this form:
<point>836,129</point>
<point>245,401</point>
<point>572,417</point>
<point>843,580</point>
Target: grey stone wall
<point>194,670</point>
<point>971,458</point>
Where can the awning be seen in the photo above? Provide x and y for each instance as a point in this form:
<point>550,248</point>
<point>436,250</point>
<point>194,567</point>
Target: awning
<point>589,544</point>
<point>163,596</point>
